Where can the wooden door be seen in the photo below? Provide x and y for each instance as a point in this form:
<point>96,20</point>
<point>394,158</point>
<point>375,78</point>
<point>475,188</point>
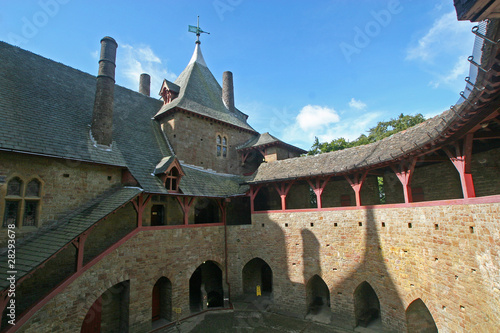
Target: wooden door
<point>156,302</point>
<point>92,321</point>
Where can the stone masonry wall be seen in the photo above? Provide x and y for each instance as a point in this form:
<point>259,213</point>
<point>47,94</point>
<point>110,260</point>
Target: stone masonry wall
<point>194,140</point>
<point>65,184</point>
<point>449,258</point>
<point>143,259</point>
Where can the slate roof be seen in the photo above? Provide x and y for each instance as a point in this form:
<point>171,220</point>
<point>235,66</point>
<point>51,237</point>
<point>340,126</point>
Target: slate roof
<point>343,161</point>
<point>267,139</point>
<point>200,182</point>
<point>46,109</point>
<point>200,93</point>
<point>39,247</point>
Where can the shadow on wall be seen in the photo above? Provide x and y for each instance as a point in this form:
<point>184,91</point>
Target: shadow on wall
<point>362,294</point>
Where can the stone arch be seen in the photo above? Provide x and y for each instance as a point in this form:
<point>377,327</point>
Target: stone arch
<point>206,287</point>
<point>110,311</point>
<point>317,295</point>
<point>366,304</point>
<point>99,289</point>
<point>418,294</point>
<point>162,300</point>
<point>257,272</point>
<point>419,319</point>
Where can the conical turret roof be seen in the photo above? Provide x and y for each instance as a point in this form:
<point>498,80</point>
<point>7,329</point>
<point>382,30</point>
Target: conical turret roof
<point>201,93</point>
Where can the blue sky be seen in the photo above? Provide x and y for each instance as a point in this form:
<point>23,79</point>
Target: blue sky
<point>301,69</point>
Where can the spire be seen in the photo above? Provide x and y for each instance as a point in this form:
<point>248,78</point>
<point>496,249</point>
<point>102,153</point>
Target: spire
<point>197,56</point>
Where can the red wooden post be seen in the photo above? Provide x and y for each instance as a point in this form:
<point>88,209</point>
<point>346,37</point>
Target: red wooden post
<point>139,208</point>
<point>405,174</point>
<point>318,189</point>
<point>222,207</point>
<point>244,156</point>
<point>462,161</point>
<point>356,184</point>
<point>253,193</point>
<point>185,206</point>
<point>79,243</point>
<point>283,190</point>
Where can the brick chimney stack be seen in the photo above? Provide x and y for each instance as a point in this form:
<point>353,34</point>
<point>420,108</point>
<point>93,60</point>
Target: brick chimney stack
<point>145,84</point>
<point>102,117</point>
<point>227,90</point>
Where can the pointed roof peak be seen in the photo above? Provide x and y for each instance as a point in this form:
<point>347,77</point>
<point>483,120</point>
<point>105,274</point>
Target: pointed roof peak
<point>197,56</point>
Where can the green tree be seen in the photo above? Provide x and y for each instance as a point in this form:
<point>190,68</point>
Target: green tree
<point>382,130</point>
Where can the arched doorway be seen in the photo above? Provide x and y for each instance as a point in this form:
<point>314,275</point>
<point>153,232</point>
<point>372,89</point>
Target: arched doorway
<point>162,300</point>
<point>419,318</point>
<point>257,273</point>
<point>318,296</point>
<point>366,304</point>
<point>109,313</point>
<point>205,287</point>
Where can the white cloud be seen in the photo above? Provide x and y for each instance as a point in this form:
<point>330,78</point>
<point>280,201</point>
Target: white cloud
<point>132,61</point>
<point>314,116</point>
<point>325,123</point>
<point>355,104</point>
<point>443,52</point>
<point>454,76</point>
<point>445,36</point>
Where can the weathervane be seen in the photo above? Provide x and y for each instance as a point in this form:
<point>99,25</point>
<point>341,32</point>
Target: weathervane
<point>197,31</point>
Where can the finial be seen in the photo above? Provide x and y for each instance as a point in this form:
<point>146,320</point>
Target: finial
<point>197,31</point>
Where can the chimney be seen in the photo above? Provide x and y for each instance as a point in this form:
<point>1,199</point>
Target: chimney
<point>227,90</point>
<point>102,117</point>
<point>145,84</point>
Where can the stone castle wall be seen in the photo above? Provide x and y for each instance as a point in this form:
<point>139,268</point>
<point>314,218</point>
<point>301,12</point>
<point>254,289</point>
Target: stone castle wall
<point>65,184</point>
<point>448,258</point>
<point>194,140</point>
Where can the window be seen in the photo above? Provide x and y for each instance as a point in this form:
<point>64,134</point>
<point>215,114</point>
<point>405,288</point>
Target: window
<point>221,146</point>
<point>172,182</point>
<point>22,204</point>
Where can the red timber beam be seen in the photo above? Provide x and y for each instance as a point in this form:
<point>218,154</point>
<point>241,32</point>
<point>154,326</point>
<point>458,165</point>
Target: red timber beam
<point>139,205</point>
<point>283,189</point>
<point>254,189</point>
<point>244,156</point>
<point>318,189</point>
<point>79,244</point>
<point>462,162</point>
<point>405,171</point>
<point>185,203</point>
<point>222,206</point>
<point>4,301</point>
<point>356,184</point>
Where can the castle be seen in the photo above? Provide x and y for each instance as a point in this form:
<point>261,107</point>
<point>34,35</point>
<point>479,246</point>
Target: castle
<point>121,210</point>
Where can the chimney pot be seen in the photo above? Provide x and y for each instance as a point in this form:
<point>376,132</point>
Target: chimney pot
<point>228,90</point>
<point>145,84</point>
<point>102,116</point>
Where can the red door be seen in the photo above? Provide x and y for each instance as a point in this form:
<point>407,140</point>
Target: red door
<point>156,302</point>
<point>92,321</point>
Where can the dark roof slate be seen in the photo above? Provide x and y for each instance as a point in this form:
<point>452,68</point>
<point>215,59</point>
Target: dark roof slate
<point>200,93</point>
<point>266,139</point>
<point>200,182</point>
<point>46,108</point>
<point>39,247</point>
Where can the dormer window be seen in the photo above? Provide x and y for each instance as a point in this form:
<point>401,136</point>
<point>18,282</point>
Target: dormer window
<point>169,91</point>
<point>172,180</point>
<point>170,172</point>
<point>221,146</point>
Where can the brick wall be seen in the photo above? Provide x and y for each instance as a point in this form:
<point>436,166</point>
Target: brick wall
<point>65,184</point>
<point>194,141</point>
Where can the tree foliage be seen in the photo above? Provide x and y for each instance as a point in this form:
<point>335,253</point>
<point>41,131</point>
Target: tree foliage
<point>382,130</point>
